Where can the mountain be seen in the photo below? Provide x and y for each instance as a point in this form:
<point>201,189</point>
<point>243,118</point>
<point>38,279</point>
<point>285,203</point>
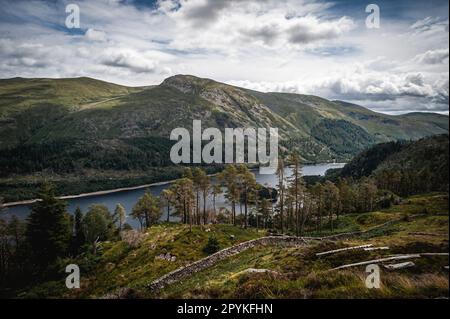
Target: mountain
<point>68,125</point>
<point>33,111</point>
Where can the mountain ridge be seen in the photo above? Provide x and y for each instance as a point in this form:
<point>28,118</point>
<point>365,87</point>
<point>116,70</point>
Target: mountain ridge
<point>43,111</point>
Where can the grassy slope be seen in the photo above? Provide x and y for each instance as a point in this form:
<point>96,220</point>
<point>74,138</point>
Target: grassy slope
<point>301,273</point>
<point>28,105</point>
<point>120,265</point>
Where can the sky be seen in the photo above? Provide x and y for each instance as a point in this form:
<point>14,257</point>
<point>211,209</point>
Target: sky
<point>317,47</point>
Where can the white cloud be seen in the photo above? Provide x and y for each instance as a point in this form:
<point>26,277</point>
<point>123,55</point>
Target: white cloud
<point>227,25</point>
<point>310,29</point>
<point>301,46</point>
<point>360,83</point>
<point>433,56</point>
<point>95,35</point>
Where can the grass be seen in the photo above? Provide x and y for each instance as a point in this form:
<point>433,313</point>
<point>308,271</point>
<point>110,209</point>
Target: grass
<point>300,274</point>
<point>123,266</point>
<point>296,272</point>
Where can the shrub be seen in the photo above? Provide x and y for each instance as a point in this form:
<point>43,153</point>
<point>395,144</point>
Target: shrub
<point>211,246</point>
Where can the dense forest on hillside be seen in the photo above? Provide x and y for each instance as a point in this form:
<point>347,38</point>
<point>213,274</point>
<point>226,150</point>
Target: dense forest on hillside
<point>403,167</point>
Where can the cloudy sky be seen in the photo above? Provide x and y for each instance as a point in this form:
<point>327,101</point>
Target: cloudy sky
<point>303,46</point>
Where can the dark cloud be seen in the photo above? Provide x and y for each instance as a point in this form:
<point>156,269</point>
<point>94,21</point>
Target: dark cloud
<point>267,34</point>
<point>207,12</point>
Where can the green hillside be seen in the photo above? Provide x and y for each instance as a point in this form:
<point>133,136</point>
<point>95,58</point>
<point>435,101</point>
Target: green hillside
<point>284,272</point>
<point>430,153</point>
<point>85,126</point>
<point>29,105</point>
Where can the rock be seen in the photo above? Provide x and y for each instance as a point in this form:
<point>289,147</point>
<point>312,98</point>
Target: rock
<point>122,293</point>
<point>261,271</point>
<point>166,257</point>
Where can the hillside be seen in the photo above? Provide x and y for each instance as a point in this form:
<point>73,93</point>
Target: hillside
<point>417,225</point>
<point>427,158</point>
<point>58,127</point>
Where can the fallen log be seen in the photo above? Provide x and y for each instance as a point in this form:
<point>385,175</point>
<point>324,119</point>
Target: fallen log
<point>343,249</point>
<point>404,265</point>
<point>377,261</point>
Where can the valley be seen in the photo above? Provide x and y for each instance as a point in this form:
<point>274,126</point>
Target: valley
<point>87,135</point>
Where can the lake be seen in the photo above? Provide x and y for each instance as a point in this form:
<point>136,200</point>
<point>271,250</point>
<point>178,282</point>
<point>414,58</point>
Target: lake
<point>129,198</point>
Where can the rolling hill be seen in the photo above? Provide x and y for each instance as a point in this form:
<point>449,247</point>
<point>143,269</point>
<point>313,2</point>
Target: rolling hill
<point>70,126</point>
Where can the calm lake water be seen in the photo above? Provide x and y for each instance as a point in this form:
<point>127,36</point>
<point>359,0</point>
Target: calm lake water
<point>129,198</point>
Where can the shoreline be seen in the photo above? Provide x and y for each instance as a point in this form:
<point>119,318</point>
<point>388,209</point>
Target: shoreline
<point>92,194</point>
<point>107,192</point>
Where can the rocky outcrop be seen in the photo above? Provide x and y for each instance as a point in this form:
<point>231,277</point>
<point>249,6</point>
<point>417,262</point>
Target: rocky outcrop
<point>209,261</point>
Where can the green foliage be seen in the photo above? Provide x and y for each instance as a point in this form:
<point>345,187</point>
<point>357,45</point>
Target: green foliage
<point>342,136</point>
<point>79,238</point>
<point>147,210</point>
<point>366,162</point>
<point>48,229</point>
<point>211,246</point>
<point>405,168</point>
<point>98,225</point>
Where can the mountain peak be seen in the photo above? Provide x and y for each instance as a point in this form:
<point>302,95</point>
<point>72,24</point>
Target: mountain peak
<point>187,83</point>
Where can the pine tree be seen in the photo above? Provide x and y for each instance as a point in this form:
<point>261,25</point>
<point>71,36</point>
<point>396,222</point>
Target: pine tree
<point>48,230</point>
<point>281,189</point>
<point>79,238</point>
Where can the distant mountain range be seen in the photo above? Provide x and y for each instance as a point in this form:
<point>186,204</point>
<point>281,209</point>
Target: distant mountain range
<point>70,124</point>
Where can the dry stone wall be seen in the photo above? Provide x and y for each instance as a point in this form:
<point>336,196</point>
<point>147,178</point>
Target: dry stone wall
<point>209,261</point>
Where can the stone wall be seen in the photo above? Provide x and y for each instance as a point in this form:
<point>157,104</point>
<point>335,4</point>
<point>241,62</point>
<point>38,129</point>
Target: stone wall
<point>209,261</point>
